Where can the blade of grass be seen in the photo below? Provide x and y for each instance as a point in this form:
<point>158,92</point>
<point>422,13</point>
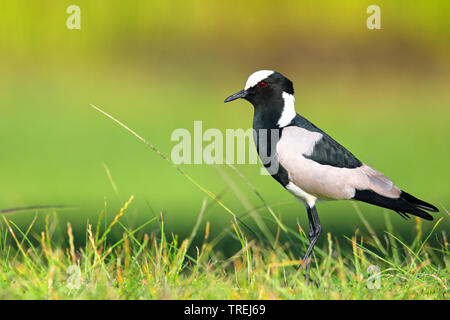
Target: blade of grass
<point>197,223</point>
<point>407,248</point>
<point>429,235</point>
<point>253,213</point>
<point>117,217</point>
<point>376,255</point>
<point>370,229</point>
<point>29,208</point>
<point>243,177</point>
<point>161,155</point>
<point>111,180</point>
<point>394,247</point>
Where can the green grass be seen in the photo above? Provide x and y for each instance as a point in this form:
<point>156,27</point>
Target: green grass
<point>160,265</point>
<point>248,256</point>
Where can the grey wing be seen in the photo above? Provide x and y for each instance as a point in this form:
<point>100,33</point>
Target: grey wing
<point>320,166</point>
<point>327,151</point>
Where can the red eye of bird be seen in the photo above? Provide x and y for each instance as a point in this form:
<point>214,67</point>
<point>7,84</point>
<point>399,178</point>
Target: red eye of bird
<point>262,84</point>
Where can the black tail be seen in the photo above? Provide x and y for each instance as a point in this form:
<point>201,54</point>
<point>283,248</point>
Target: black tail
<point>404,204</point>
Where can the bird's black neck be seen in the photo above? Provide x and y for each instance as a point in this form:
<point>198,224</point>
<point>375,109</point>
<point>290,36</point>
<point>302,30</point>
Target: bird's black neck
<point>267,117</point>
<point>266,135</point>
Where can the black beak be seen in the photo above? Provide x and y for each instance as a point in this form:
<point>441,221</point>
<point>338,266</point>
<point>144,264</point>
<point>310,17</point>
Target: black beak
<point>237,95</point>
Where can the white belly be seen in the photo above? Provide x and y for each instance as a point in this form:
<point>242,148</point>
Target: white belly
<point>302,195</point>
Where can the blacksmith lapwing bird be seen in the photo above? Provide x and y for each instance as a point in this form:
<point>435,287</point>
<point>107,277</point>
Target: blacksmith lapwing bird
<point>309,163</point>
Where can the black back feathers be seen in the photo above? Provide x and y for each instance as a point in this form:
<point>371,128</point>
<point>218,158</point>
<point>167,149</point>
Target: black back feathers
<point>327,151</point>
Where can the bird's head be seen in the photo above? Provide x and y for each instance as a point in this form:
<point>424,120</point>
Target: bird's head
<point>263,87</point>
<point>270,93</point>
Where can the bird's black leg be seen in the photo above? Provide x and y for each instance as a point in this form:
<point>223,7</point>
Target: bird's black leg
<point>314,232</point>
<point>312,229</point>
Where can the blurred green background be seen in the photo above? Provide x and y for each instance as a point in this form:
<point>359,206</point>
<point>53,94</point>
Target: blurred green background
<point>160,65</point>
